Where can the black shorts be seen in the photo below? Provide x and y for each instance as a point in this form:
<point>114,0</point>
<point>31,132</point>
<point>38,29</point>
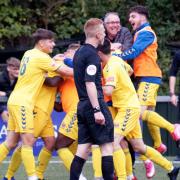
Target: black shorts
<point>88,130</point>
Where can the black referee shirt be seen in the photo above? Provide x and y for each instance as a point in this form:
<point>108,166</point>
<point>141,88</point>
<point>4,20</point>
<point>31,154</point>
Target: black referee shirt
<point>87,68</point>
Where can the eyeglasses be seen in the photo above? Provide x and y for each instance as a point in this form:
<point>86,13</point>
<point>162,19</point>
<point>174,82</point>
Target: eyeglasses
<point>113,22</point>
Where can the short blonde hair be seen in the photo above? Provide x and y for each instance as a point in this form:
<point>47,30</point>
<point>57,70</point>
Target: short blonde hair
<point>91,26</point>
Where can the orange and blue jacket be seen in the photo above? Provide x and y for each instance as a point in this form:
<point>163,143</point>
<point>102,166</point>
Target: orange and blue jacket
<point>144,53</point>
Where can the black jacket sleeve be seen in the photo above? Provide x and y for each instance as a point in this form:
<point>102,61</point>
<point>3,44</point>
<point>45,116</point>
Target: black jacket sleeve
<point>175,66</point>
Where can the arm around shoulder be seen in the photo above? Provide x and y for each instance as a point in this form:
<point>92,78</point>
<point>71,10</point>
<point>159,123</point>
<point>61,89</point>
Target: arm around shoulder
<point>66,71</point>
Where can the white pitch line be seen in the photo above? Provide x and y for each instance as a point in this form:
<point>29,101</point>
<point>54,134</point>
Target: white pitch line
<point>89,162</point>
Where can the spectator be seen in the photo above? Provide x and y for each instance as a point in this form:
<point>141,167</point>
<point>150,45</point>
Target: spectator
<point>148,76</point>
<point>8,80</point>
<point>175,67</point>
<point>119,36</point>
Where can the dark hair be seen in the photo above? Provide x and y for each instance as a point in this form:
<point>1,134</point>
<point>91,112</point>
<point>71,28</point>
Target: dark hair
<point>43,34</point>
<point>140,10</point>
<point>105,48</point>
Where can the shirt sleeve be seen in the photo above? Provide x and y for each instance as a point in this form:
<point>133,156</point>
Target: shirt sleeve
<point>143,40</point>
<point>92,66</point>
<point>53,74</point>
<point>110,76</point>
<point>127,67</point>
<point>68,62</point>
<point>48,64</point>
<point>175,66</point>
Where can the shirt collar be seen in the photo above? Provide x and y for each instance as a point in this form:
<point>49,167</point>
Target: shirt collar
<point>142,26</point>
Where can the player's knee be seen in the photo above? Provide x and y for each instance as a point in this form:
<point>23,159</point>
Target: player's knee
<point>10,144</point>
<point>83,151</point>
<point>136,148</point>
<point>139,148</point>
<point>143,108</point>
<point>124,144</point>
<point>116,144</point>
<point>28,139</point>
<point>107,149</point>
<point>49,143</point>
<point>63,141</point>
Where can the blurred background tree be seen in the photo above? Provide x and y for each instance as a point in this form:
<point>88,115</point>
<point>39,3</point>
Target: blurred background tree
<point>66,17</point>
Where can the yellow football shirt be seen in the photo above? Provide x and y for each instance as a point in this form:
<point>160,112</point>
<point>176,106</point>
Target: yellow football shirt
<point>124,93</point>
<point>46,98</point>
<point>34,65</point>
<point>127,67</point>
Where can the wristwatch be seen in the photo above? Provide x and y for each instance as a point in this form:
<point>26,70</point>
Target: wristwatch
<point>96,109</point>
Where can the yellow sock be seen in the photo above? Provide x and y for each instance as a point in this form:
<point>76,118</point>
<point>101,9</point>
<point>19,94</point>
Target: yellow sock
<point>120,164</point>
<point>4,151</point>
<point>73,147</point>
<point>155,134</point>
<point>143,158</point>
<point>28,160</point>
<point>97,162</point>
<point>43,160</point>
<point>157,120</point>
<point>15,163</point>
<point>129,169</point>
<point>156,157</point>
<point>66,156</point>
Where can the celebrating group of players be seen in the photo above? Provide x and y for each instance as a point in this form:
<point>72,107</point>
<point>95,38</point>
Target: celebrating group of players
<point>108,123</point>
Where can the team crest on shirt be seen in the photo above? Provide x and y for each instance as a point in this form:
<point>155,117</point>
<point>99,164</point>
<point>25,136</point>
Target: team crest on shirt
<point>91,70</point>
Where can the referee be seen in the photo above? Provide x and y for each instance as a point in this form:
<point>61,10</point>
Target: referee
<point>95,125</point>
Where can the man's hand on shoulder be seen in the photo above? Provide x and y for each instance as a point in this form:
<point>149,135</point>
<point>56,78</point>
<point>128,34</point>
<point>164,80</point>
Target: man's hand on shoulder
<point>116,46</point>
<point>59,57</point>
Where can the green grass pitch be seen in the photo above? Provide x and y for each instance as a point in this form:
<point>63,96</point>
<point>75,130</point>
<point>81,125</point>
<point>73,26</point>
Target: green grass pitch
<point>56,171</point>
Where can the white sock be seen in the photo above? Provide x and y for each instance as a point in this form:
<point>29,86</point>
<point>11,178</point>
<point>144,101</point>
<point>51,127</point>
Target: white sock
<point>147,161</point>
<point>130,177</point>
<point>33,177</point>
<point>82,177</point>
